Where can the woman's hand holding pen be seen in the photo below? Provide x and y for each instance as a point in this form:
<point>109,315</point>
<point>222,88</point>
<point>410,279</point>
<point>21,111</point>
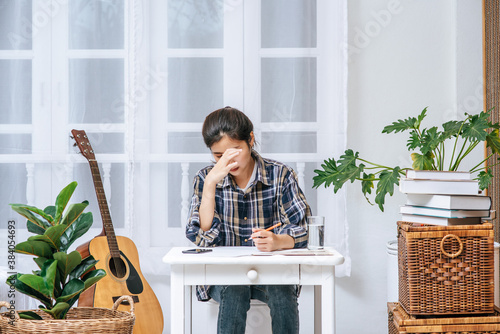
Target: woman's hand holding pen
<point>223,166</point>
<point>267,241</point>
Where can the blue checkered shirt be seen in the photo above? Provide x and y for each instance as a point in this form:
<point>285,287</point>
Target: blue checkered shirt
<point>274,196</point>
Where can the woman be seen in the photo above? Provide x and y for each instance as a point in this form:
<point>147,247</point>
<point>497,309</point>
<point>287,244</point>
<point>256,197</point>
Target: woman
<point>238,198</point>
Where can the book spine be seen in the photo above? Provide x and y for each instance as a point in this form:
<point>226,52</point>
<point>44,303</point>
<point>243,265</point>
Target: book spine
<point>415,186</point>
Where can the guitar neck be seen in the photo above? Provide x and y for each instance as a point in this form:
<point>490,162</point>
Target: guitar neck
<point>107,224</point>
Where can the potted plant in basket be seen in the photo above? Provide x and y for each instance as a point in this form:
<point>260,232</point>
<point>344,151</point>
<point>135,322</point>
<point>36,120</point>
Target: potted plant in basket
<point>62,276</point>
<point>430,144</point>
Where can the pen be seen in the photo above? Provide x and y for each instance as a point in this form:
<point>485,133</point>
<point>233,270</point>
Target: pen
<point>267,229</point>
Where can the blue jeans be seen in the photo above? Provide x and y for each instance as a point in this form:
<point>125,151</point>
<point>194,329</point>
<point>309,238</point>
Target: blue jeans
<point>234,302</point>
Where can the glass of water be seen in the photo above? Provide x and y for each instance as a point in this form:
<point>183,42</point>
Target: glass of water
<point>315,232</point>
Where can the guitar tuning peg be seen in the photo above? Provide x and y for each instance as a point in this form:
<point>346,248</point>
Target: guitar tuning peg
<point>74,144</point>
<point>72,137</point>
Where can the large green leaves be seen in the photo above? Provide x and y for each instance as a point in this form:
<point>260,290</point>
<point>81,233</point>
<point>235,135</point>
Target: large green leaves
<point>59,281</point>
<point>493,141</point>
<point>58,311</point>
<point>484,178</point>
<point>388,179</point>
<point>36,248</point>
<point>63,199</point>
<point>93,277</point>
<point>75,230</point>
<point>40,261</point>
<point>33,228</point>
<point>43,284</point>
<point>52,236</point>
<point>66,263</point>
<point>83,267</point>
<point>326,176</point>
<point>72,289</point>
<point>39,220</point>
<point>430,140</point>
<point>406,124</point>
<point>476,128</point>
<point>422,161</point>
<point>428,148</point>
<point>451,129</point>
<point>367,183</point>
<point>345,169</point>
<point>339,172</point>
<point>28,290</point>
<point>74,211</point>
<point>49,275</point>
<point>29,315</point>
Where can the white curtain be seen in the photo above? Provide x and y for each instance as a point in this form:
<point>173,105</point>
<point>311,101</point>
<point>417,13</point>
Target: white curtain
<point>139,77</point>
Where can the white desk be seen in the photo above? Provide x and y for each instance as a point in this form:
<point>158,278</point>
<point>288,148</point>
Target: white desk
<point>237,266</point>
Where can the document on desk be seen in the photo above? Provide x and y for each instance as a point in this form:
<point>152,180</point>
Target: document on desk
<point>296,252</point>
<point>235,251</point>
<point>231,251</point>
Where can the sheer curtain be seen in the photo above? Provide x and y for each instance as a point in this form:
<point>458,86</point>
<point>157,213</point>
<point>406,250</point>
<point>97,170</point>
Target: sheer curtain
<point>139,77</point>
<point>282,62</point>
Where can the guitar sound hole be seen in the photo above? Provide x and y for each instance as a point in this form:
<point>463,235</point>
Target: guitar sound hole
<point>117,267</point>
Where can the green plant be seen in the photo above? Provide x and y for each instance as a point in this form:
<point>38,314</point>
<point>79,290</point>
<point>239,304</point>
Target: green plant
<point>431,143</point>
<point>62,277</point>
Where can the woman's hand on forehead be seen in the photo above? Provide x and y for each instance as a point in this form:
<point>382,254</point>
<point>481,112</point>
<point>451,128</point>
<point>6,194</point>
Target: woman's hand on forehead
<point>224,165</point>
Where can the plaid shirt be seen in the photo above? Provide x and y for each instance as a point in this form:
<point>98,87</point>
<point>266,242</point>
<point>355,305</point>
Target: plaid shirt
<point>274,196</point>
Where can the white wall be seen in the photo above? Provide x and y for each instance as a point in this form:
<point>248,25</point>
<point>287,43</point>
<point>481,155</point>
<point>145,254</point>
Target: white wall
<point>404,56</point>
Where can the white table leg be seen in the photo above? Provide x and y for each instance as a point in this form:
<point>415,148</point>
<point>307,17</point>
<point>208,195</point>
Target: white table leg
<point>328,300</point>
<point>177,297</point>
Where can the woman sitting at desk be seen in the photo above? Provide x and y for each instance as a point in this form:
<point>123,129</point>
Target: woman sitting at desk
<point>238,198</point>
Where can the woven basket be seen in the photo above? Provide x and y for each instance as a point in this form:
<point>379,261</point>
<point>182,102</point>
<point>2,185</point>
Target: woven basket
<point>78,320</point>
<point>400,322</point>
<point>446,270</point>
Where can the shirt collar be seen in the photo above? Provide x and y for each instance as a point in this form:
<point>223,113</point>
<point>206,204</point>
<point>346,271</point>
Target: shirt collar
<point>261,175</point>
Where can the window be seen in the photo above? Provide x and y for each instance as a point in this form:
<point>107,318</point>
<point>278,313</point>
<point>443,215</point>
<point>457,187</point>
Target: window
<point>267,58</point>
<point>140,76</point>
<point>63,65</point>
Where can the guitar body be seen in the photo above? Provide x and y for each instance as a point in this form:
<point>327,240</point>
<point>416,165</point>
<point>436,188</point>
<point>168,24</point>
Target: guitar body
<point>148,314</point>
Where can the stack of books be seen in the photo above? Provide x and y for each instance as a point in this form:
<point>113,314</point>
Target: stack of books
<point>443,198</point>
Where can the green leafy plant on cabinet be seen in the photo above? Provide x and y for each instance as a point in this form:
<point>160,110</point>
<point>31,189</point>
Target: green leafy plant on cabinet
<point>427,147</point>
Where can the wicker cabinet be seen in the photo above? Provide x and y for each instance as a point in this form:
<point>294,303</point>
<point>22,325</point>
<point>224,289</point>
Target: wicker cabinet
<point>446,280</point>
<point>446,270</point>
<point>402,322</point>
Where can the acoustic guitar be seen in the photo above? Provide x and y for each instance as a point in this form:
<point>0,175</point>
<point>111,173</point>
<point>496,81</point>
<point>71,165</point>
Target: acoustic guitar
<point>118,256</point>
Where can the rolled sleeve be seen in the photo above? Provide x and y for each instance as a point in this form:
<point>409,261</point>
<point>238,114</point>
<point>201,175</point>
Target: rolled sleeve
<point>294,210</point>
<point>193,230</point>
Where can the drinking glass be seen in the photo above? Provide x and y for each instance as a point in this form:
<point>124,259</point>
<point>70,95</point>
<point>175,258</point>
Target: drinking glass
<point>315,232</point>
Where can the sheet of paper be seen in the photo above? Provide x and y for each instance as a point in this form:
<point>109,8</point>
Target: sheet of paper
<point>253,251</point>
<point>296,252</point>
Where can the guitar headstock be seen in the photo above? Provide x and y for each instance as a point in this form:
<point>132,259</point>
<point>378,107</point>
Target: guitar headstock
<point>82,141</point>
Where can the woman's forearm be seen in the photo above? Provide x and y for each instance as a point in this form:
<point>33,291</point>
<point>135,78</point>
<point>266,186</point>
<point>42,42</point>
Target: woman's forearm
<point>285,241</point>
<point>207,206</point>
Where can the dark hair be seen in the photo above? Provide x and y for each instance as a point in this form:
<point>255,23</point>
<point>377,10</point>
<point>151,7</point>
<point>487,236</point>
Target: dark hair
<point>226,121</point>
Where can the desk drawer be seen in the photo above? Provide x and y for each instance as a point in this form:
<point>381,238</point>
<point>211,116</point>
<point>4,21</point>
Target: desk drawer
<point>252,274</point>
